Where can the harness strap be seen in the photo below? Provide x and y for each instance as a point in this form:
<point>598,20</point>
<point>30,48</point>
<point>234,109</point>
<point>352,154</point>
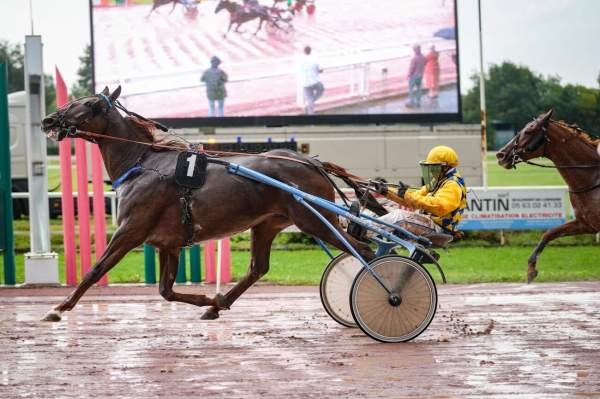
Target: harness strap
<point>107,100</point>
<point>125,175</point>
<point>185,200</point>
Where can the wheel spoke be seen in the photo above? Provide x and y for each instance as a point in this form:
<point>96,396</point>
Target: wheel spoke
<point>371,307</point>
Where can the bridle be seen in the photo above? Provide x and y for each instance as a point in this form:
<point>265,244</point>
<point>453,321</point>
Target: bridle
<point>517,152</point>
<point>541,138</point>
<point>67,128</point>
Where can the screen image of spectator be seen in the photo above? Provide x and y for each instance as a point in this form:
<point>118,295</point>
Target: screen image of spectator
<point>432,72</point>
<point>415,77</point>
<point>215,79</point>
<point>308,75</point>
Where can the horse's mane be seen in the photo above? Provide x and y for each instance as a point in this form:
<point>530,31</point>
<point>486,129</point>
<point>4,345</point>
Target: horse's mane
<point>148,130</point>
<point>578,132</point>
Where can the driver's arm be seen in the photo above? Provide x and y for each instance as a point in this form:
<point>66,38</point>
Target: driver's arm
<point>444,201</point>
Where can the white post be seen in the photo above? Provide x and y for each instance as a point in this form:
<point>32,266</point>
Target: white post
<point>41,265</point>
<point>483,113</point>
<point>113,209</point>
<point>364,80</point>
<point>219,249</point>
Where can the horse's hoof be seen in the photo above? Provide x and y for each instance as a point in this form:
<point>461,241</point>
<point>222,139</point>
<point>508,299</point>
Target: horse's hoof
<point>531,276</point>
<point>221,302</point>
<point>210,315</point>
<point>53,315</point>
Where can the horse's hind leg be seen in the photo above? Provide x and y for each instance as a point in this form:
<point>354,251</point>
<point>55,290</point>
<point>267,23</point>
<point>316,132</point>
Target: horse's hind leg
<point>122,242</point>
<point>169,262</point>
<point>262,238</point>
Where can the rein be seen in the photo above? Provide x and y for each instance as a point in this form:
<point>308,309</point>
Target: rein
<point>578,191</point>
<point>596,165</point>
<point>180,149</point>
<point>543,139</point>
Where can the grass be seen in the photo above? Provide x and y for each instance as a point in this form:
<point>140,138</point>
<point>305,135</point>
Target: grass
<point>524,175</point>
<point>462,265</point>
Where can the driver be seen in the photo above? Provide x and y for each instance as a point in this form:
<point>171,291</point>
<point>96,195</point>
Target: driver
<point>252,5</point>
<point>439,204</point>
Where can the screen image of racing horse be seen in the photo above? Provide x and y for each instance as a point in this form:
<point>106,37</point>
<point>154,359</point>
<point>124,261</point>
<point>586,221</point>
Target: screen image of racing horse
<point>283,58</point>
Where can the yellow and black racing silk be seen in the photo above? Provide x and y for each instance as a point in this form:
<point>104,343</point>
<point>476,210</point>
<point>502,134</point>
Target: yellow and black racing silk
<point>450,221</point>
<point>445,204</point>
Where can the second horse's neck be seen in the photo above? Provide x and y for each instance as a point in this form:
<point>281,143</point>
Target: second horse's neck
<point>566,149</point>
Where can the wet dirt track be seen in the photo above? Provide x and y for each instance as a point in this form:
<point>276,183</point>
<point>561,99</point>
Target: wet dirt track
<point>495,340</point>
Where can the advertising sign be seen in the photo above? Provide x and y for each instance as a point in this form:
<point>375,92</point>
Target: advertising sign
<point>514,209</point>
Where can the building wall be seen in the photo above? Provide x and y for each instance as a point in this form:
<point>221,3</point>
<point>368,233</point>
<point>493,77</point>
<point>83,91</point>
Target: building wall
<point>391,151</point>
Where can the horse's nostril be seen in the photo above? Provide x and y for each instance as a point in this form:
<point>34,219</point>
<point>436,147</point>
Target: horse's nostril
<point>500,156</point>
<point>48,122</point>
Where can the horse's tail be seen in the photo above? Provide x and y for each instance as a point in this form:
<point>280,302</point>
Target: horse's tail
<point>362,194</point>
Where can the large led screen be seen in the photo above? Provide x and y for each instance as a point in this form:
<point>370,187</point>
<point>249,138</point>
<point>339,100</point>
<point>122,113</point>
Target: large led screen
<point>248,62</point>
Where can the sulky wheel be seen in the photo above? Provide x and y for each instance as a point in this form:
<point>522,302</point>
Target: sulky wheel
<point>336,283</point>
<point>405,313</point>
<point>272,28</point>
<point>286,33</point>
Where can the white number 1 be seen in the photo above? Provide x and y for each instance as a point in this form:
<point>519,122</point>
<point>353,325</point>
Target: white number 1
<point>191,165</point>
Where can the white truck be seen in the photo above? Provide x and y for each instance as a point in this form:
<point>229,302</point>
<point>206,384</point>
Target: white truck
<point>18,154</point>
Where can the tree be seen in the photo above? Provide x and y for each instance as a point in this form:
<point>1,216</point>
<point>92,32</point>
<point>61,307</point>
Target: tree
<point>515,95</point>
<point>83,86</point>
<point>12,55</point>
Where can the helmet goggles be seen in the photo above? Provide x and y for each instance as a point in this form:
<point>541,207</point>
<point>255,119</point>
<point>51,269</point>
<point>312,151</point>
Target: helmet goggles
<point>432,173</point>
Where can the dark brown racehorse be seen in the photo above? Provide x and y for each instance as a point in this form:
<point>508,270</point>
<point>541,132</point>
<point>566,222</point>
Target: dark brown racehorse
<point>160,3</point>
<point>574,154</point>
<point>150,209</point>
<point>239,16</point>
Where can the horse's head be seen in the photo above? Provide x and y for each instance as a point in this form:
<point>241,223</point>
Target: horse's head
<point>87,113</point>
<point>527,144</point>
<point>221,6</point>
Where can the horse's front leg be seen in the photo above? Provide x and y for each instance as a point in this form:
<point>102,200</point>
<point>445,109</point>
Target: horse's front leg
<point>228,29</point>
<point>262,238</point>
<point>570,228</point>
<point>124,240</point>
<point>260,24</point>
<point>169,263</point>
<point>173,8</point>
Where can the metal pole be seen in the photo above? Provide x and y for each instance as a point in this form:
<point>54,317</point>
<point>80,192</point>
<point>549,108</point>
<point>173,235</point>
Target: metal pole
<point>7,243</point>
<point>180,278</point>
<point>149,264</point>
<point>195,264</point>
<point>31,16</point>
<point>483,113</point>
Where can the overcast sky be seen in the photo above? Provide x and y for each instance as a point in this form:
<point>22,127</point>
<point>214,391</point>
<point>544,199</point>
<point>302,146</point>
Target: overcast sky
<point>552,37</point>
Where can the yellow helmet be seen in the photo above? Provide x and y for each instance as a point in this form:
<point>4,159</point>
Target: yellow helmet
<point>432,168</point>
<point>442,154</point>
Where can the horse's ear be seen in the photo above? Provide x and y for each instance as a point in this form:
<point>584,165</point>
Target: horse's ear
<point>545,118</point>
<point>105,91</point>
<point>115,94</point>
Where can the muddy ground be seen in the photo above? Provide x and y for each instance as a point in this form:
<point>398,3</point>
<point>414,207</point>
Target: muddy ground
<point>493,340</point>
